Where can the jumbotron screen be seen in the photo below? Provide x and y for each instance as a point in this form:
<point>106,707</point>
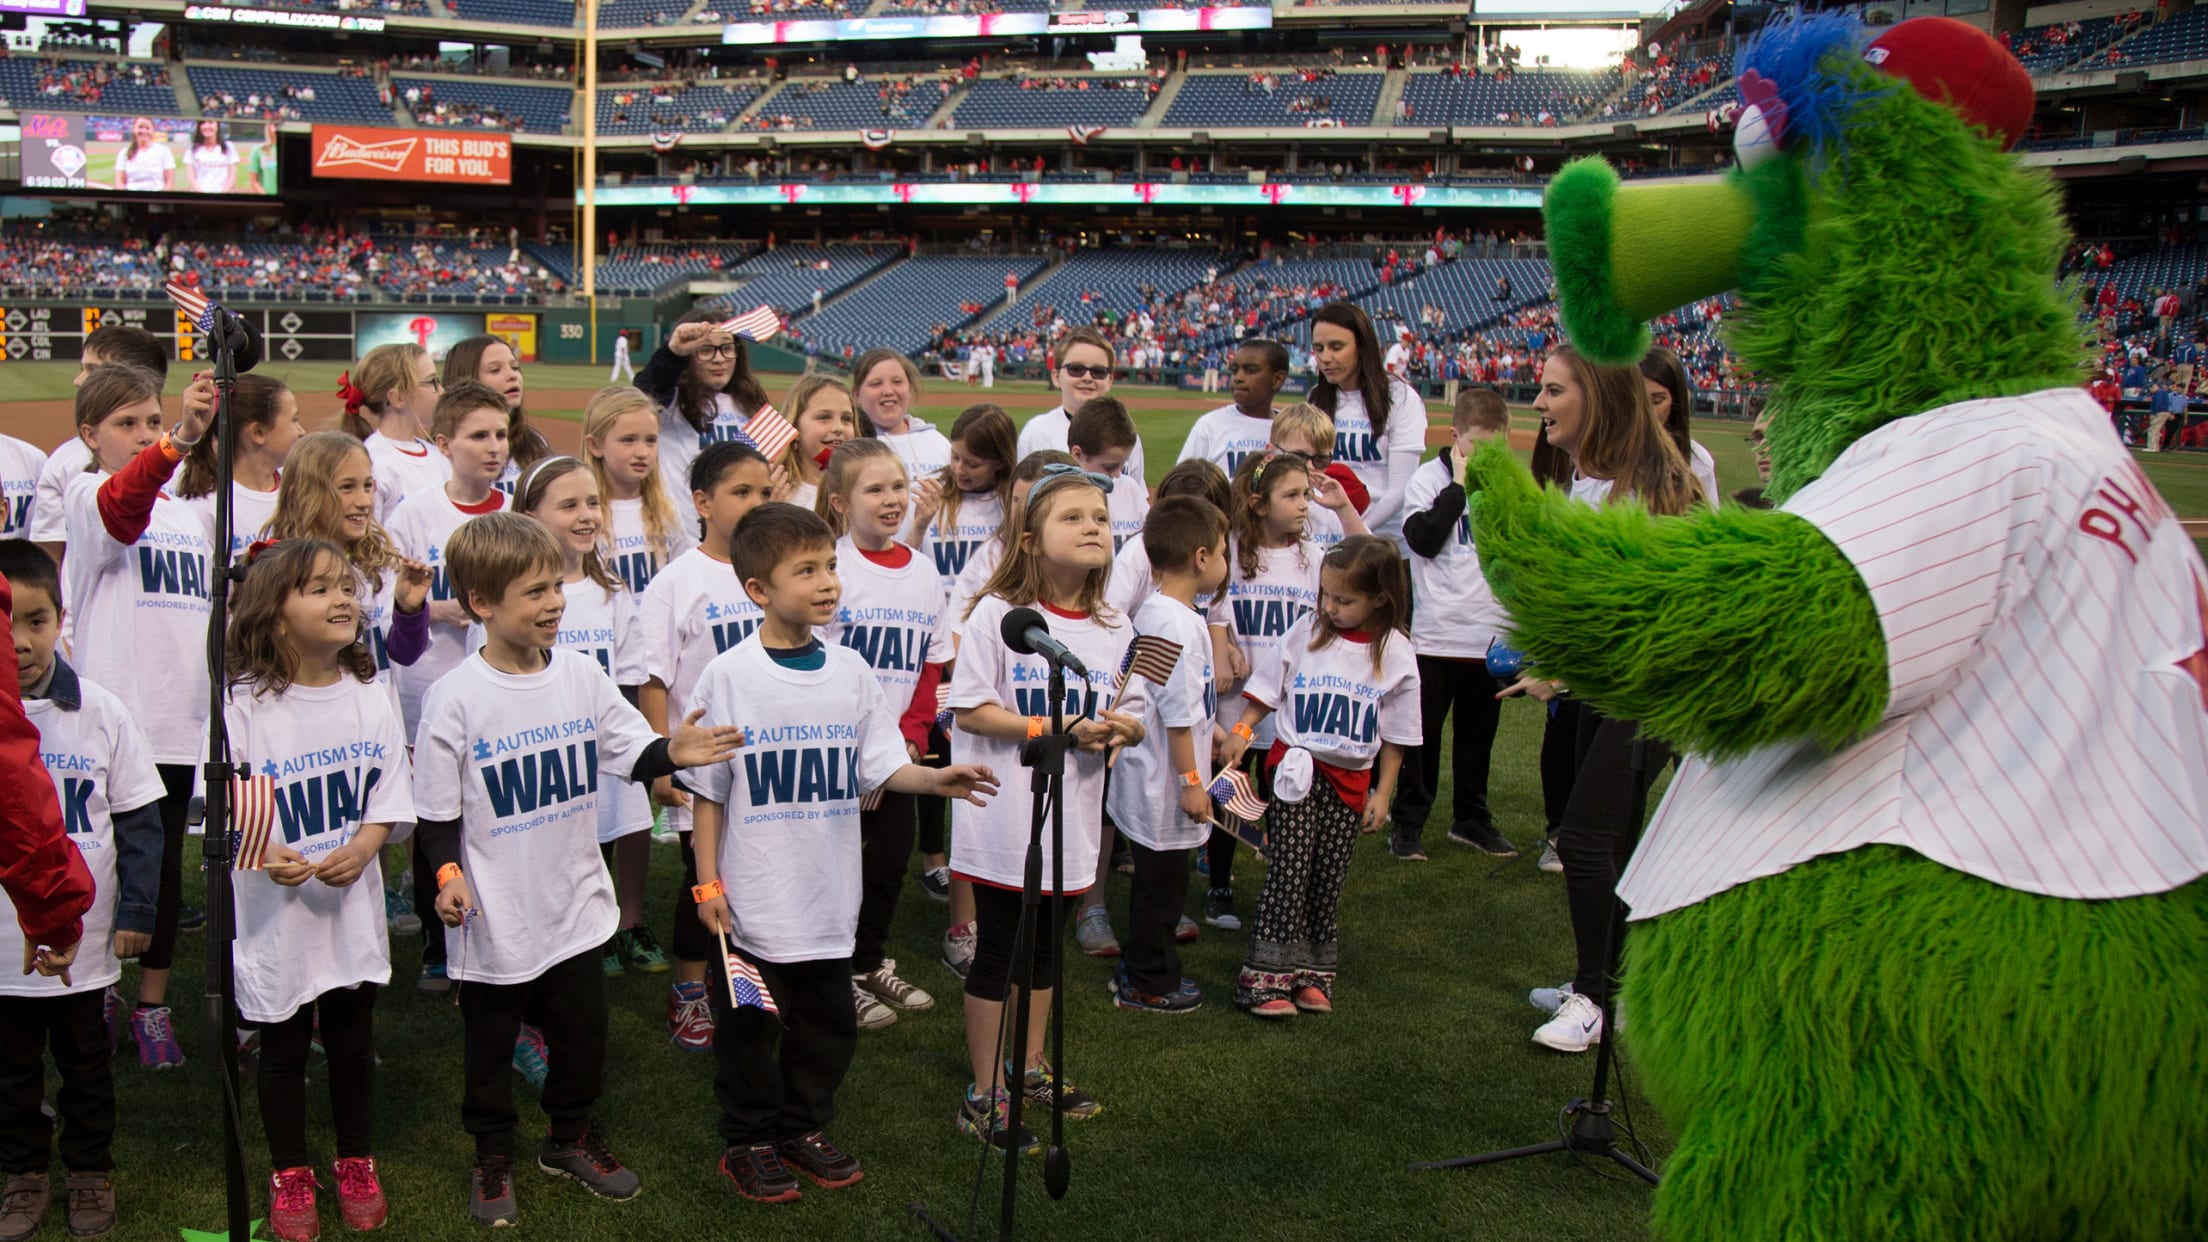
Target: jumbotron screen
<point>44,8</point>
<point>148,154</point>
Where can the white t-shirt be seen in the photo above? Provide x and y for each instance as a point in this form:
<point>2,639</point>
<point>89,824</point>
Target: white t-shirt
<point>137,616</point>
<point>339,761</point>
<point>49,513</point>
<point>99,765</point>
<point>403,467</point>
<point>1323,527</point>
<point>603,625</point>
<point>143,168</point>
<point>1457,615</point>
<point>1131,582</point>
<point>1331,703</point>
<point>815,740</point>
<point>921,448</point>
<point>1395,359</point>
<point>20,466</point>
<point>680,443</point>
<point>2043,616</point>
<point>211,167</point>
<point>634,559</point>
<point>989,843</point>
<point>896,620</point>
<point>250,514</point>
<point>1705,472</point>
<point>693,611</point>
<point>1129,506</point>
<point>1225,436</point>
<point>980,567</point>
<point>1258,611</point>
<point>420,526</point>
<point>518,759</point>
<point>1048,431</point>
<point>1383,467</point>
<point>951,544</point>
<point>1144,794</point>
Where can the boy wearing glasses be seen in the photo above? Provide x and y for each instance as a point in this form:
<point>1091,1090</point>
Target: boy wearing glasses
<point>1085,365</point>
<point>1338,499</point>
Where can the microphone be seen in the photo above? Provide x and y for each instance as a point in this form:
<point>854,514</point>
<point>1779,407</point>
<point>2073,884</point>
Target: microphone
<point>238,332</point>
<point>1026,632</point>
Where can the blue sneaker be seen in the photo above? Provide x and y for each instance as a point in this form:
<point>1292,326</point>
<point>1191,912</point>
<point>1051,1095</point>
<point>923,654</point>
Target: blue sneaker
<point>1185,999</point>
<point>398,908</point>
<point>529,1056</point>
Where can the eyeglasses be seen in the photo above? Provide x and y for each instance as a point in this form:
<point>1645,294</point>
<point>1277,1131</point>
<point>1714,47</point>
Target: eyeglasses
<point>1075,370</point>
<point>1318,461</point>
<point>435,383</point>
<point>717,351</point>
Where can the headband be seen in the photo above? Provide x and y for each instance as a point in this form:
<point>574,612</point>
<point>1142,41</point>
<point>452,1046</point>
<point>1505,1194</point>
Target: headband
<point>1059,472</point>
<point>521,484</point>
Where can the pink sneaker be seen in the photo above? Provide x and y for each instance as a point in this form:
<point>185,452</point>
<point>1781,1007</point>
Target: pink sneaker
<point>156,1039</point>
<point>291,1214</point>
<point>689,1021</point>
<point>359,1195</point>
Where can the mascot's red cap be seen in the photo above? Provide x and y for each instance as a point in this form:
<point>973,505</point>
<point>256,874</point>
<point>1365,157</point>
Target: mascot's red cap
<point>1957,64</point>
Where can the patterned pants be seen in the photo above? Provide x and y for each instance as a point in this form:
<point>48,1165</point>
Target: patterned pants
<point>1295,941</point>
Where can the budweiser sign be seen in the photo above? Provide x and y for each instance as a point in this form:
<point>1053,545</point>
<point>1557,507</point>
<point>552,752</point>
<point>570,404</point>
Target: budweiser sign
<point>462,156</point>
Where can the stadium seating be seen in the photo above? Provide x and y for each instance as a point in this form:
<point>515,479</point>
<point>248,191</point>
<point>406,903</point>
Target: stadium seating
<point>857,105</point>
<point>1234,99</point>
<point>2173,267</point>
<point>902,307</point>
<point>938,8</point>
<point>2184,37</point>
<point>540,109</point>
<point>632,271</point>
<point>1456,99</point>
<point>786,276</point>
<point>1115,278</point>
<point>1465,289</point>
<point>24,83</point>
<point>2046,49</point>
<point>1271,290</point>
<point>631,14</point>
<point>559,13</point>
<point>1009,105</point>
<point>337,97</point>
<point>701,109</point>
<point>1657,91</point>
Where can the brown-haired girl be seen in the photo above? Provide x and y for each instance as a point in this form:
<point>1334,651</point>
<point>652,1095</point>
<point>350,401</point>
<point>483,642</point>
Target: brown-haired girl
<point>492,362</point>
<point>268,425</point>
<point>702,380</point>
<point>973,491</point>
<point>1344,682</point>
<point>1379,420</point>
<point>304,710</point>
<point>390,398</point>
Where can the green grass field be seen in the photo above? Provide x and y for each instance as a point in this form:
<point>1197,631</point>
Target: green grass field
<point>1215,1127</point>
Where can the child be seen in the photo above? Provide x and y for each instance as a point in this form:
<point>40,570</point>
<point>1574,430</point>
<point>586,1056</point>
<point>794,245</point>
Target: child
<point>1057,552</point>
<point>398,385</point>
<point>819,735</point>
<point>470,426</point>
<point>70,459</point>
<point>1101,438</point>
<point>513,745</point>
<point>692,612</point>
<point>1456,619</point>
<point>1272,581</point>
<point>884,384</point>
<point>1086,361</point>
<point>268,425</point>
<point>621,442</point>
<point>1230,433</point>
<point>1335,491</point>
<point>137,572</point>
<point>1131,581</point>
<point>895,616</point>
<point>20,465</point>
<point>492,362</point>
<point>1161,801</point>
<point>1345,681</point>
<point>109,789</point>
<point>975,490</point>
<point>601,622</point>
<point>820,408</point>
<point>303,709</point>
<point>702,380</point>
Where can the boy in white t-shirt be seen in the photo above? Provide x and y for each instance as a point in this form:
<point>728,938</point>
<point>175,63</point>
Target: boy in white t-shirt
<point>1101,437</point>
<point>513,745</point>
<point>20,466</point>
<point>776,833</point>
<point>1230,433</point>
<point>109,789</point>
<point>104,344</point>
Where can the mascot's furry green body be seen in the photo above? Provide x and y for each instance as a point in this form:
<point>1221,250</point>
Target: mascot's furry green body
<point>1922,948</point>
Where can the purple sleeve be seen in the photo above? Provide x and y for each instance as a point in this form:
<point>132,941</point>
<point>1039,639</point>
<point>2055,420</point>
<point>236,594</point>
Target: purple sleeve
<point>409,636</point>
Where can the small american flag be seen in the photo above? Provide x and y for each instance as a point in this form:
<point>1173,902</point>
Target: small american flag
<point>943,705</point>
<point>1150,657</point>
<point>760,323</point>
<point>769,432</point>
<point>1235,796</point>
<point>252,815</point>
<point>193,304</point>
<point>745,987</point>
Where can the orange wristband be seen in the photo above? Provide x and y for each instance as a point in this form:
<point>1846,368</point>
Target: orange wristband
<point>1192,779</point>
<point>447,874</point>
<point>1242,731</point>
<point>171,450</point>
<point>1035,726</point>
<point>707,891</point>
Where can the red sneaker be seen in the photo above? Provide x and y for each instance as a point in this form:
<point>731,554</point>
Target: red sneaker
<point>1312,998</point>
<point>1278,1007</point>
<point>359,1195</point>
<point>689,1022</point>
<point>291,1214</point>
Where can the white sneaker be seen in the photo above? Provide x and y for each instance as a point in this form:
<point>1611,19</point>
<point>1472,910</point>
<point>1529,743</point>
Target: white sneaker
<point>1093,932</point>
<point>873,1014</point>
<point>958,948</point>
<point>1549,1000</point>
<point>883,983</point>
<point>1549,861</point>
<point>1576,1027</point>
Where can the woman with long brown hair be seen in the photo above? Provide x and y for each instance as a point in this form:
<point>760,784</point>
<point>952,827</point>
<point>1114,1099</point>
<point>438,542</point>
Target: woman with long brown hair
<point>1379,420</point>
<point>1671,399</point>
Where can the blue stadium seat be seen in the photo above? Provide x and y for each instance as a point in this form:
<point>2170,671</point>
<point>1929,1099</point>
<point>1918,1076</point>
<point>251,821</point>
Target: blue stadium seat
<point>336,97</point>
<point>1346,98</point>
<point>786,276</point>
<point>1008,105</point>
<point>1115,279</point>
<point>1460,99</point>
<point>541,109</point>
<point>2183,37</point>
<point>2039,51</point>
<point>903,307</point>
<point>559,13</point>
<point>637,270</point>
<point>22,79</point>
<point>650,109</point>
<point>631,14</point>
<point>857,105</point>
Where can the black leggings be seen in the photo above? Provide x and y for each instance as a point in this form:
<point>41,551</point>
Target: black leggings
<point>996,924</point>
<point>885,852</point>
<point>693,943</point>
<point>349,1040</point>
<point>176,783</point>
<point>1597,837</point>
<point>932,812</point>
<point>425,903</point>
<point>1559,758</point>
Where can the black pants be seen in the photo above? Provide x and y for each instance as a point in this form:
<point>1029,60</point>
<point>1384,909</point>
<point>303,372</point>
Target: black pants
<point>567,1003</point>
<point>1465,688</point>
<point>176,782</point>
<point>777,1079</point>
<point>1559,758</point>
<point>1597,837</point>
<point>1154,907</point>
<point>349,1040</point>
<point>886,848</point>
<point>73,1029</point>
<point>934,813</point>
<point>693,943</point>
<point>1219,850</point>
<point>996,926</point>
<point>425,903</point>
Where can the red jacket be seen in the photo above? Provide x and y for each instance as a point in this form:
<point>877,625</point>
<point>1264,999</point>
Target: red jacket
<point>40,868</point>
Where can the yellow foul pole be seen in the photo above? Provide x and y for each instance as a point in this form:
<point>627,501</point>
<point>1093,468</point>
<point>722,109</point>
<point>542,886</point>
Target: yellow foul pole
<point>588,171</point>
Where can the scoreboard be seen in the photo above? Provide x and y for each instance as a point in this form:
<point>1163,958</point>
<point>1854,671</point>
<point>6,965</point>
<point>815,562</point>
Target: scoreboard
<point>55,332</point>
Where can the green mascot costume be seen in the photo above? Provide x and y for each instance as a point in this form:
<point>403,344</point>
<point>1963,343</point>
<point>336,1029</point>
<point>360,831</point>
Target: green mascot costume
<point>1920,943</point>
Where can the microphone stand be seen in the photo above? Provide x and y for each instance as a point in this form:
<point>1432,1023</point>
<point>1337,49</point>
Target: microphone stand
<point>216,857</point>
